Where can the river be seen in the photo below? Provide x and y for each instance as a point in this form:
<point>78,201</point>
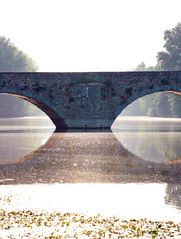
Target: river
<point>132,171</point>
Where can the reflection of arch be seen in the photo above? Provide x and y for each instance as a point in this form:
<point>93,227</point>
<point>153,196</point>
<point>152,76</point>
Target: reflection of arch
<point>173,192</point>
<point>59,122</point>
<point>80,157</point>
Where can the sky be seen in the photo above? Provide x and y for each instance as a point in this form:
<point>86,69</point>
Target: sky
<point>89,35</point>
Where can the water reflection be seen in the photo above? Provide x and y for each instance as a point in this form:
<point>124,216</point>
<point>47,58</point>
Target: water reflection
<point>91,159</point>
<point>173,195</point>
<point>19,137</point>
<point>153,139</point>
<point>79,157</point>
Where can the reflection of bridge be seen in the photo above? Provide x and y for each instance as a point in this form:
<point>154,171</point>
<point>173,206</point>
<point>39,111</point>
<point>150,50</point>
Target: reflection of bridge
<point>86,100</point>
<point>91,157</point>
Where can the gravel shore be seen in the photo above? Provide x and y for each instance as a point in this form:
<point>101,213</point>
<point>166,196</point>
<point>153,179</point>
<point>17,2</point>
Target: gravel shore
<point>43,224</point>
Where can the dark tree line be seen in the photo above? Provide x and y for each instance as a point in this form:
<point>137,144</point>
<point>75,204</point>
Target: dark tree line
<point>14,60</point>
<point>164,104</point>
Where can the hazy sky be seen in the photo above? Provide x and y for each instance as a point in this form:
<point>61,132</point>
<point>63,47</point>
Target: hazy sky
<point>89,35</point>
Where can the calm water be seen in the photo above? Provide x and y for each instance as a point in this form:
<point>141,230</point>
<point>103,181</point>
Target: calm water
<point>134,171</point>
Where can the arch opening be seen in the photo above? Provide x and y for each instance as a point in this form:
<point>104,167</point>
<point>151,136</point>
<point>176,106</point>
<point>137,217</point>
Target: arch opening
<point>132,106</point>
<point>152,132</point>
<point>41,108</point>
<point>21,132</point>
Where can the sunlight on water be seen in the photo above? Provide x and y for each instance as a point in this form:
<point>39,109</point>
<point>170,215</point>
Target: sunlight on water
<point>26,123</point>
<point>136,123</point>
<point>122,200</point>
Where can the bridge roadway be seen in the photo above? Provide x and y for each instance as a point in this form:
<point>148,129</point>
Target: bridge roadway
<point>86,100</point>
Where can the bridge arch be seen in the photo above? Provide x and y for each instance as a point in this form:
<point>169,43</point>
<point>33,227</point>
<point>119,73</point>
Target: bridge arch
<point>48,110</point>
<point>141,94</point>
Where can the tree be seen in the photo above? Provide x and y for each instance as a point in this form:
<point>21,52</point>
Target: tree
<point>142,67</point>
<point>154,104</point>
<point>171,58</point>
<point>160,104</point>
<point>164,104</point>
<point>13,60</point>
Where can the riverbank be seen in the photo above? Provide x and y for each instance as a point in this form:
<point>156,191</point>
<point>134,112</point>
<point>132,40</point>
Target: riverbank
<point>43,224</point>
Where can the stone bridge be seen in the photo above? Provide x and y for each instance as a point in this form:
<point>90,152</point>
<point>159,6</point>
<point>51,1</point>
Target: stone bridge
<point>87,100</point>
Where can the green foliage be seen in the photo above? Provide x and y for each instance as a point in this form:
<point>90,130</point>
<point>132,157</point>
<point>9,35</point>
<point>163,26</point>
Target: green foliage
<point>171,58</point>
<point>14,60</point>
<point>175,105</point>
<point>158,105</point>
<point>164,104</point>
<point>142,67</point>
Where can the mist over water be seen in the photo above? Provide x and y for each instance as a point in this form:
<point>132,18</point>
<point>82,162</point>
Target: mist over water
<point>21,136</point>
